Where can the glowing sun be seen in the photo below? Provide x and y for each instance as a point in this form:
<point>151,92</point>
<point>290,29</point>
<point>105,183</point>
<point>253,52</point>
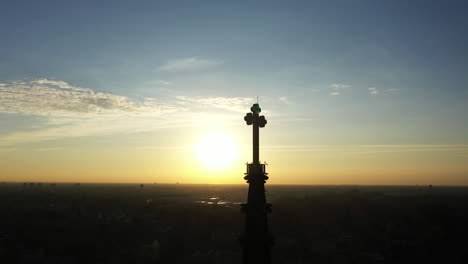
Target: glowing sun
<point>217,151</point>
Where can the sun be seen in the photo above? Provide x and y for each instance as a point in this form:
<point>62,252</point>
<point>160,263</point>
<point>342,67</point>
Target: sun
<point>216,151</point>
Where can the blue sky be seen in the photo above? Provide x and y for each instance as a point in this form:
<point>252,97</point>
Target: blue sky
<point>327,72</point>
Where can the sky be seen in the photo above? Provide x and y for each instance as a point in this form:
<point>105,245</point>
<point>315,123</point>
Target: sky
<point>355,92</point>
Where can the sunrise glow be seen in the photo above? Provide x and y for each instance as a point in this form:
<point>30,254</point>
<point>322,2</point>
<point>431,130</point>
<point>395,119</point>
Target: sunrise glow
<point>217,151</point>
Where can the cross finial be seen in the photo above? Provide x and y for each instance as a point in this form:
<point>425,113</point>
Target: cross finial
<point>254,118</point>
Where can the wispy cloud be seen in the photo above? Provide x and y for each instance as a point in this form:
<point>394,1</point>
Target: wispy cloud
<point>370,149</point>
<point>64,128</point>
<point>163,82</point>
<point>189,64</point>
<point>47,149</point>
<point>54,129</point>
<point>337,88</point>
<point>58,98</point>
<point>391,90</point>
<point>285,99</point>
<point>373,91</point>
<point>67,111</point>
<point>166,148</point>
<point>236,104</point>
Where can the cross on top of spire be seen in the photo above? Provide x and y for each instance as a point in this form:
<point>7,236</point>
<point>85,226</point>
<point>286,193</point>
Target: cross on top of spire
<point>254,118</point>
<point>255,109</point>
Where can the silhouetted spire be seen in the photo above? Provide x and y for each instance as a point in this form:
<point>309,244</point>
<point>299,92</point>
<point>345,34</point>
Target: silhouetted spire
<point>256,240</point>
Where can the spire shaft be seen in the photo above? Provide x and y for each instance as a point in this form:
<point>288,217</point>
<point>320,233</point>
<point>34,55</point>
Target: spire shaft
<point>256,240</point>
<point>256,143</point>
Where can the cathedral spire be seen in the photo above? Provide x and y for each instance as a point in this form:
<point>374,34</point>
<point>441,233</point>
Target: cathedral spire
<point>256,240</point>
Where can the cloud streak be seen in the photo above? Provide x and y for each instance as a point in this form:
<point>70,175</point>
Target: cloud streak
<point>189,64</point>
<point>58,98</point>
<point>373,91</point>
<point>67,111</point>
<point>391,90</point>
<point>285,99</point>
<point>235,104</point>
<point>337,88</point>
<point>370,149</point>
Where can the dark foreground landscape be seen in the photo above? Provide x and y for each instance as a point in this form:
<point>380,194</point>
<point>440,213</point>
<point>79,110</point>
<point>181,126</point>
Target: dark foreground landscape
<point>161,223</point>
